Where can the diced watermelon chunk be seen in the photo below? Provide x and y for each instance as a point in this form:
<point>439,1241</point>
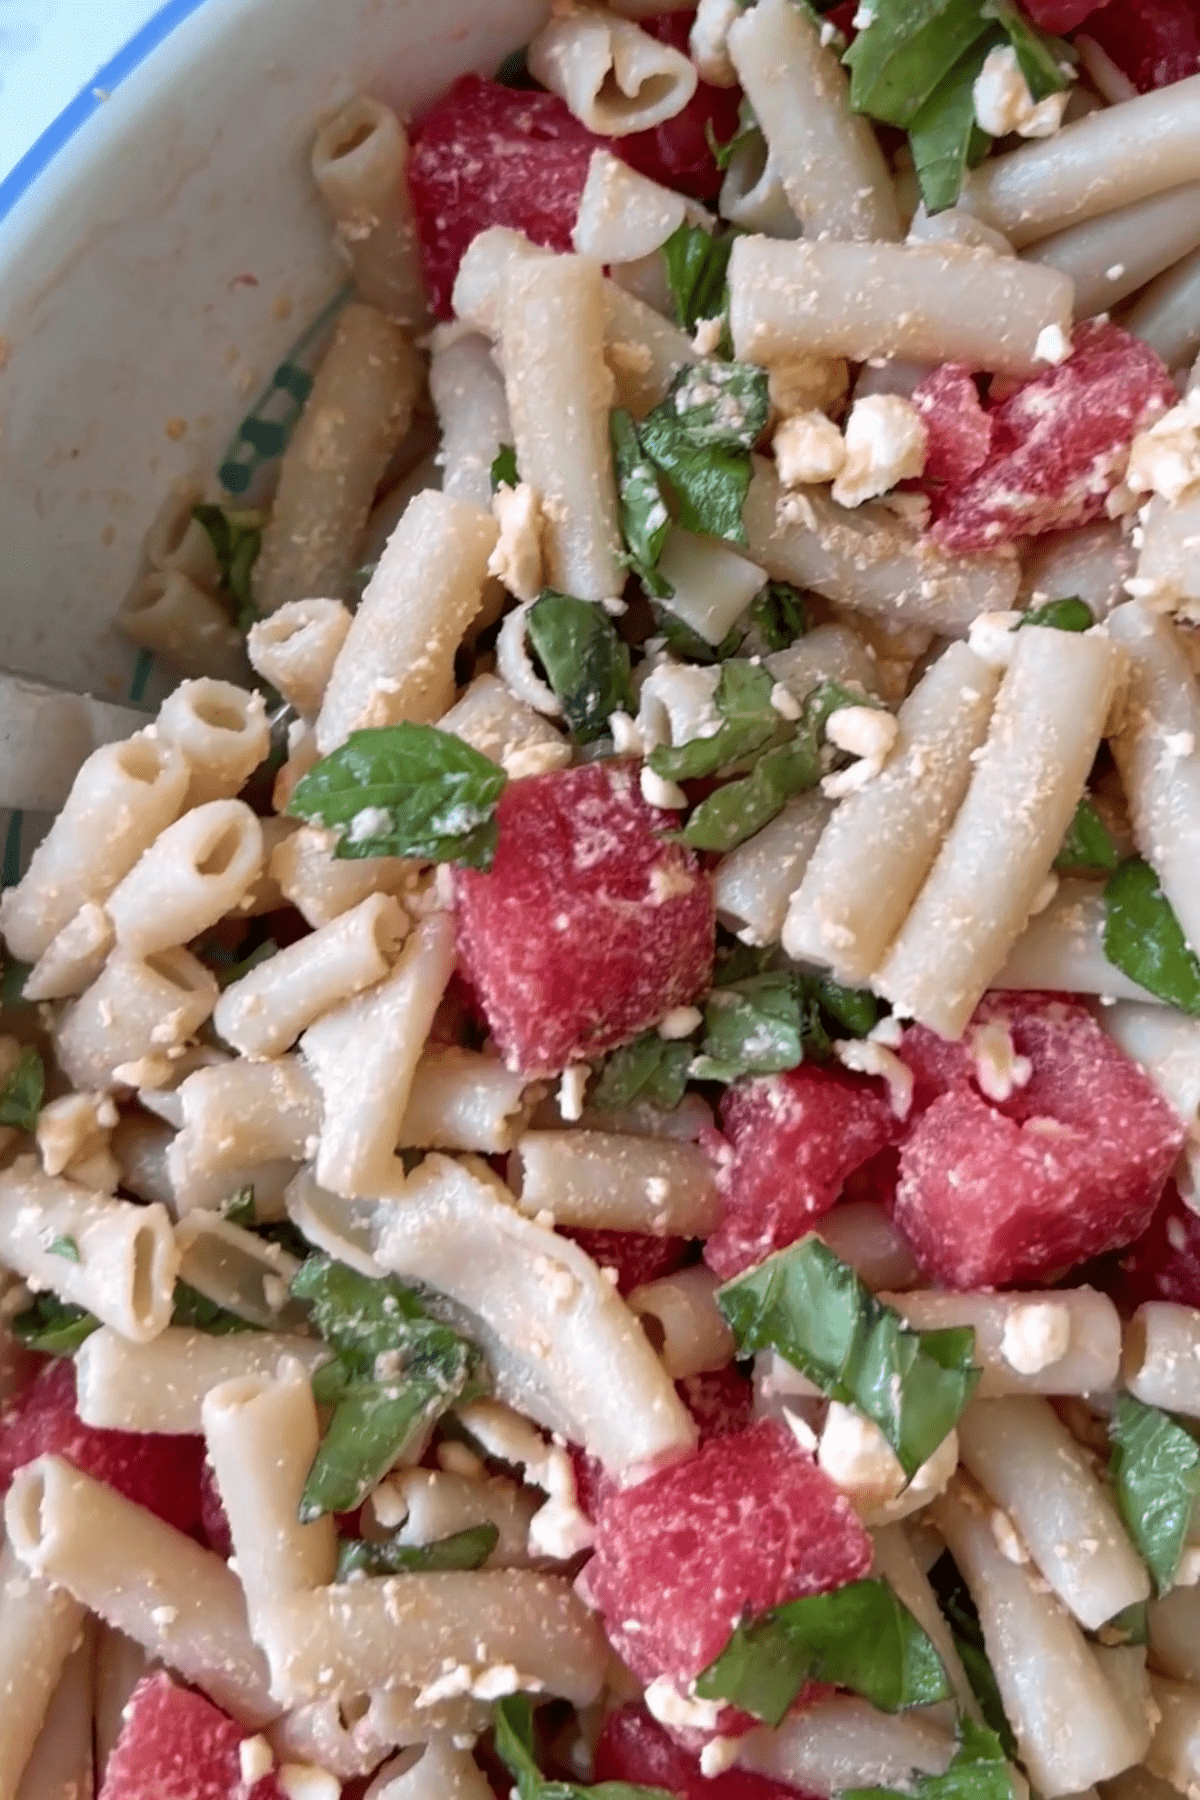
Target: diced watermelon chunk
<point>1154,42</point>
<point>1060,443</point>
<point>176,1745</point>
<point>590,925</point>
<point>1062,15</point>
<point>1164,1263</point>
<point>1069,1165</point>
<point>214,1521</point>
<point>959,431</point>
<point>721,1401</point>
<point>490,155</point>
<point>746,1522</point>
<point>635,1748</point>
<point>636,1256</point>
<point>795,1138</point>
<point>158,1472</point>
<point>678,152</point>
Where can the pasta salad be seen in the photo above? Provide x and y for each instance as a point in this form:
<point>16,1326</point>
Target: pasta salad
<point>600,1114</point>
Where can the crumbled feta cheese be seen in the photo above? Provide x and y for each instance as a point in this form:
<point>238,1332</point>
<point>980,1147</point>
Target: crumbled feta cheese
<point>1177,745</point>
<point>678,703</point>
<point>304,1781</point>
<point>889,1032</point>
<point>1053,345</point>
<point>1036,1335</point>
<point>1044,895</point>
<point>1008,1539</point>
<point>801,1430</point>
<point>784,701</point>
<point>680,1022</point>
<point>863,17</point>
<point>497,1682</point>
<point>515,666</point>
<point>255,1759</point>
<point>370,822</point>
<point>571,1090</point>
<point>626,735</point>
<point>1115,272</point>
<point>998,1068</point>
<point>867,1057</point>
<point>991,637</point>
<point>665,1703</point>
<point>558,1530</point>
<point>858,1458</point>
<point>862,731</point>
<point>807,383</point>
<point>808,448</point>
<point>706,339</point>
<point>886,441</point>
<point>162,1616</point>
<point>719,1754</point>
<point>517,557</point>
<point>1165,458</point>
<point>1004,104</point>
<point>657,792</point>
<point>71,1132</point>
<point>535,759</point>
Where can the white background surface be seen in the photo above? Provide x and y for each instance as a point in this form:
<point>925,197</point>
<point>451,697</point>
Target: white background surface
<point>49,49</point>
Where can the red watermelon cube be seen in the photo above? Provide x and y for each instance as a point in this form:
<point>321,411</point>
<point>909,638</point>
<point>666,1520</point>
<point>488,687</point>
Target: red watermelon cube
<point>176,1745</point>
<point>1060,443</point>
<point>635,1256</point>
<point>635,1748</point>
<point>158,1472</point>
<point>1164,1263</point>
<point>958,431</point>
<point>1062,15</point>
<point>1001,1187</point>
<point>678,152</point>
<point>590,925</point>
<point>795,1138</point>
<point>1154,42</point>
<point>746,1522</point>
<point>488,155</point>
<point>721,1401</point>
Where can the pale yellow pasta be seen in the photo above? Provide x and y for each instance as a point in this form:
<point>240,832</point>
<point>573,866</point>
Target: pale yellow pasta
<point>614,77</point>
<point>360,166</point>
<point>754,883</point>
<point>322,886</point>
<point>896,1563</point>
<point>1068,1342</point>
<point>341,1739</point>
<point>165,611</point>
<point>122,798</point>
<point>175,538</point>
<point>1092,561</point>
<point>137,1007</point>
<point>223,732</point>
<point>1062,949</point>
<point>1173,1623</point>
<point>160,1386</point>
<point>116,1259</point>
<point>1174,1751</point>
<point>1114,255</point>
<point>140,1145</point>
<point>62,1766</point>
<point>120,1665</point>
<point>236,1115</point>
<point>264,1012</point>
<point>609,1181</point>
<point>680,1316</point>
<point>39,1626</point>
<point>440,1772</point>
<point>559,393</point>
<point>180,1602</point>
<point>195,871</point>
<point>240,1271</point>
<point>1167,1045</point>
<point>1166,315</point>
<point>490,718</point>
<point>880,843</point>
<point>468,391</point>
<point>930,302</point>
<point>843,1742</point>
<point>827,157</point>
<point>623,215</point>
<point>463,1100</point>
<point>1161,1364</point>
<point>74,959</point>
<point>295,650</point>
<point>363,1055</point>
<point>398,659</point>
<point>356,415</point>
<point>753,195</point>
<point>264,895</point>
<point>827,653</point>
<point>713,584</point>
<point>422,1505</point>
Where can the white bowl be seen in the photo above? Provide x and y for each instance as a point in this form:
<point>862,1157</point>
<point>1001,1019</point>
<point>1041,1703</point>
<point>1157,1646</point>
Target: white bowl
<point>161,249</point>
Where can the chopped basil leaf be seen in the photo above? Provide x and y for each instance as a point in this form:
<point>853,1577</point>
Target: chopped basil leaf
<point>753,1027</point>
<point>513,1735</point>
<point>66,1247</point>
<point>1155,1473</point>
<point>778,615</point>
<point>743,702</point>
<point>394,1372</point>
<point>1072,614</point>
<point>904,55</point>
<point>856,1010</point>
<point>962,1616</point>
<point>504,468</point>
<point>979,1771</point>
<point>701,436</point>
<point>1144,939</point>
<point>812,1308</point>
<point>1087,848</point>
<point>645,520</point>
<point>199,1313</point>
<point>586,663</point>
<point>22,1090</point>
<point>53,1327</point>
<point>1040,56</point>
<point>652,1069</point>
<point>239,1208</point>
<point>228,968</point>
<point>406,790</point>
<point>467,1549</point>
<point>236,538</point>
<point>859,1637</point>
<point>689,644</point>
<point>747,129</point>
<point>944,136</point>
<point>697,262</point>
<point>1132,1622</point>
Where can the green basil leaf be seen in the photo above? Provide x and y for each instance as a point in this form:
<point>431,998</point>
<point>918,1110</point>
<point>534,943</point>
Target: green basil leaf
<point>66,1247</point>
<point>229,968</point>
<point>688,644</point>
<point>651,1069</point>
<point>778,615</point>
<point>697,262</point>
<point>1072,614</point>
<point>53,1327</point>
<point>586,663</point>
<point>752,1027</point>
<point>512,1728</point>
<point>743,703</point>
<point>22,1090</point>
<point>239,1208</point>
<point>199,1313</point>
<point>467,1549</point>
<point>979,1771</point>
<point>900,60</point>
<point>747,129</point>
<point>962,1616</point>
<point>859,1637</point>
<point>1144,939</point>
<point>856,1010</point>
<point>645,520</point>
<point>944,136</point>
<point>406,790</point>
<point>700,436</point>
<point>1155,1474</point>
<point>236,538</point>
<point>504,468</point>
<point>1039,55</point>
<point>812,1308</point>
<point>1087,848</point>
<point>1132,1622</point>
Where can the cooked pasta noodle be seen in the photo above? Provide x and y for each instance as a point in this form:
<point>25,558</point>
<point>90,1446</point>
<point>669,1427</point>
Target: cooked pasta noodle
<point>614,77</point>
<point>296,648</point>
<point>359,163</point>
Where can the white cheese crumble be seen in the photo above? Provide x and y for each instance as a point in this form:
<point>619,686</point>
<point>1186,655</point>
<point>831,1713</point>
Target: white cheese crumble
<point>255,1759</point>
<point>808,448</point>
<point>886,442</point>
<point>680,1022</point>
<point>1007,1537</point>
<point>719,1754</point>
<point>535,759</point>
<point>784,701</point>
<point>517,557</point>
<point>998,1068</point>
<point>678,703</point>
<point>370,822</point>
<point>571,1090</point>
<point>558,1530</point>
<point>657,792</point>
<point>665,1703</point>
<point>867,1057</point>
<point>72,1136</point>
<point>862,731</point>
<point>706,339</point>
<point>1165,459</point>
<point>1035,1336</point>
<point>1052,346</point>
<point>1004,104</point>
<point>626,735</point>
<point>858,1458</point>
<point>305,1781</point>
<point>991,637</point>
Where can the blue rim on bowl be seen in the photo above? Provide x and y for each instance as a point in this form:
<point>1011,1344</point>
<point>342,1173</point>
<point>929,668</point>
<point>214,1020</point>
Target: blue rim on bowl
<point>90,99</point>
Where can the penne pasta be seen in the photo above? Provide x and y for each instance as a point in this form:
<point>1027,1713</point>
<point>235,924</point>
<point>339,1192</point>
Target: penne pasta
<point>136,1008</point>
<point>614,77</point>
<point>472,409</point>
<point>1110,257</point>
<point>74,959</point>
<point>712,584</point>
<point>1166,314</point>
<point>428,1504</point>
<point>441,1772</point>
<point>608,1181</point>
<point>1091,561</point>
<point>360,166</point>
<point>842,1742</point>
<point>176,539</point>
<point>223,732</point>
<point>1161,1363</point>
<point>490,718</point>
<point>39,1627</point>
<point>1174,1752</point>
<point>160,1386</point>
<point>296,647</point>
<point>463,1100</point>
<point>195,871</point>
<point>1025,1343</point>
<point>62,1765</point>
<point>1062,949</point>
<point>167,612</point>
<point>239,1271</point>
<point>1167,1045</point>
<point>1173,1624</point>
<point>624,216</point>
<point>322,886</point>
<point>754,883</point>
<point>680,1316</point>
